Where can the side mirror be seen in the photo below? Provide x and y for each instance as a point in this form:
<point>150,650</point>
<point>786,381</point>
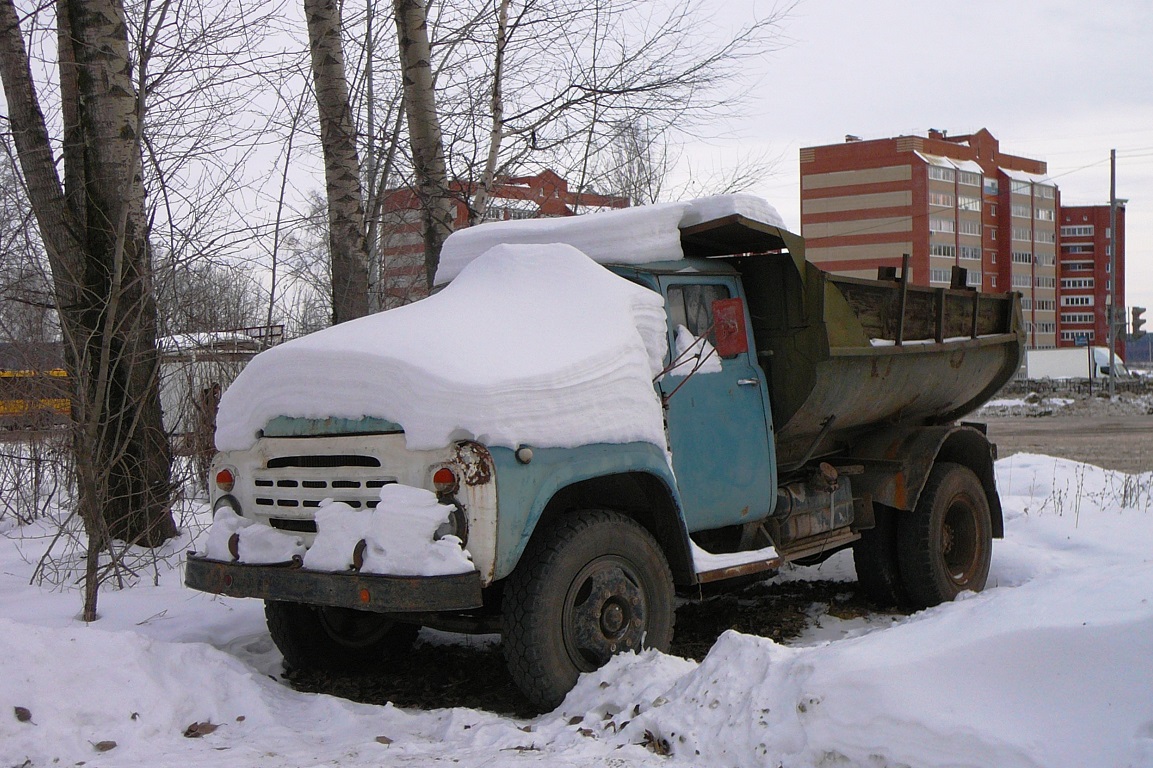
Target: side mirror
<point>729,326</point>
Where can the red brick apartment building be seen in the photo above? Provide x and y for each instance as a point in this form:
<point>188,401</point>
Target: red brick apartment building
<point>524,197</point>
<point>1085,278</point>
<point>944,200</point>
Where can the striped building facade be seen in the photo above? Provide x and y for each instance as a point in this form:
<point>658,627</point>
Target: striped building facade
<point>946,201</point>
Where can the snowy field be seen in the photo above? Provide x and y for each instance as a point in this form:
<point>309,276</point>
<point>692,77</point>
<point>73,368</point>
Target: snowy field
<point>1051,666</point>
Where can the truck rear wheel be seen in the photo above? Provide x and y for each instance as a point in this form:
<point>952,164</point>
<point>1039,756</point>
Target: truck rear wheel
<point>945,546</point>
<point>594,585</point>
<point>336,639</point>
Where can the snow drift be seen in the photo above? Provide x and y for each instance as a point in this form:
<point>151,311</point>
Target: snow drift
<point>1048,668</point>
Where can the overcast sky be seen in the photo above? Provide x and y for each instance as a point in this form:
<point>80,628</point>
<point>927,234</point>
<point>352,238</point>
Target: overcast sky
<point>1062,81</point>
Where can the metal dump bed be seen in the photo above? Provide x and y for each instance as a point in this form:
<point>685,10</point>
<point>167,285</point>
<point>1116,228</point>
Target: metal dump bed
<point>846,355</point>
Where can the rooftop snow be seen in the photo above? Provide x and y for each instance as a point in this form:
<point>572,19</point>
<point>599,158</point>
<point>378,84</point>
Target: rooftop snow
<point>1033,178</point>
<point>949,162</point>
<point>621,236</point>
<point>530,344</point>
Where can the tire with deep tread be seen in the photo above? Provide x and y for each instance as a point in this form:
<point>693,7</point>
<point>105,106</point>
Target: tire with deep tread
<point>595,583</point>
<point>875,557</point>
<point>336,639</point>
<point>945,546</point>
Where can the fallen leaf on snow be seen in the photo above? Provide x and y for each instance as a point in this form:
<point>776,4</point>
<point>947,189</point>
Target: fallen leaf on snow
<point>23,714</point>
<point>104,746</point>
<point>196,730</point>
<point>383,740</point>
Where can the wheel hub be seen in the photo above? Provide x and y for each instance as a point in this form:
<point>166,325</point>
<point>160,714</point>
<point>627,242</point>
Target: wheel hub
<point>612,618</point>
<point>605,614</point>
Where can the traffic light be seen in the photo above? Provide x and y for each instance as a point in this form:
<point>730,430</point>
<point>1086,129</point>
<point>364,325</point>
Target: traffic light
<point>1136,321</point>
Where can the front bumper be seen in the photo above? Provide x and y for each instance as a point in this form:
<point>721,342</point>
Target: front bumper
<point>362,591</point>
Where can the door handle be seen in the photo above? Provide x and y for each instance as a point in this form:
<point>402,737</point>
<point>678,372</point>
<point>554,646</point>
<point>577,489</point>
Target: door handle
<point>748,382</point>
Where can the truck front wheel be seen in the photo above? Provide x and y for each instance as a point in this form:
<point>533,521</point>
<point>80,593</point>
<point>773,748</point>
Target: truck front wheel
<point>593,585</point>
<point>945,546</point>
<point>336,639</point>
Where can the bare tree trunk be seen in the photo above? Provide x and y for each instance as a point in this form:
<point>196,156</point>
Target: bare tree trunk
<point>346,237</point>
<point>437,206</point>
<point>96,235</point>
<point>496,132</point>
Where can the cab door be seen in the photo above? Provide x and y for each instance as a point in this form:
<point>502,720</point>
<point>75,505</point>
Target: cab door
<point>719,423</point>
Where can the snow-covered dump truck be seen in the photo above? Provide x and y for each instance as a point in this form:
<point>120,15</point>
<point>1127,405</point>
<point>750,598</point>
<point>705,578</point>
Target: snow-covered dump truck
<point>592,414</point>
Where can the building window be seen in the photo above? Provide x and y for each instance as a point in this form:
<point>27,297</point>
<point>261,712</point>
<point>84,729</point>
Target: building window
<point>939,276</point>
<point>1074,335</point>
<point>1076,282</point>
<point>1022,281</point>
<point>1026,304</point>
<point>970,252</point>
<point>1077,231</point>
<point>940,198</point>
<point>1076,249</point>
<point>1047,327</point>
<point>1021,211</point>
<point>992,187</point>
<point>1076,301</point>
<point>1020,187</point>
<point>941,225</point>
<point>992,231</point>
<point>992,257</point>
<point>941,174</point>
<point>1077,317</point>
<point>1044,192</point>
<point>1045,305</point>
<point>973,278</point>
<point>1045,214</point>
<point>966,203</point>
<point>1046,282</point>
<point>937,249</point>
<point>1044,237</point>
<point>1022,233</point>
<point>992,281</point>
<point>1077,266</point>
<point>1022,257</point>
<point>1045,259</point>
<point>969,227</point>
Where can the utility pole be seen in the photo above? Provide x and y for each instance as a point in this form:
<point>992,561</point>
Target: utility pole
<point>1112,273</point>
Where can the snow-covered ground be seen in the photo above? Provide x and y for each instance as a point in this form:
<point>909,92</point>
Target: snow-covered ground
<point>1035,404</point>
<point>1051,666</point>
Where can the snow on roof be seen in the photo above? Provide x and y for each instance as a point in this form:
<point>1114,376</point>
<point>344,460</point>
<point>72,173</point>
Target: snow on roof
<point>966,165</point>
<point>949,162</point>
<point>530,344</point>
<point>1030,177</point>
<point>621,236</point>
<point>933,159</point>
